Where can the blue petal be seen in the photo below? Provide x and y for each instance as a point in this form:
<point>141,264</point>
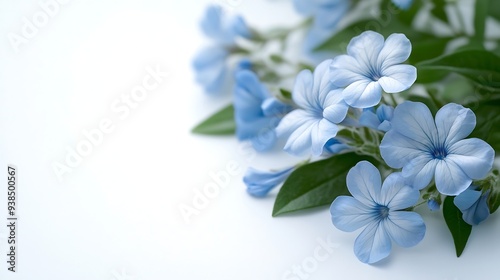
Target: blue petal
<point>420,171</point>
<point>363,93</point>
<point>210,68</point>
<point>474,156</point>
<point>397,149</point>
<point>238,27</point>
<point>274,107</point>
<point>369,119</point>
<point>264,140</point>
<point>433,205</point>
<point>302,93</point>
<point>396,195</point>
<point>211,23</point>
<point>304,7</point>
<point>466,199</point>
<point>298,124</point>
<point>414,120</point>
<point>328,16</point>
<point>336,113</point>
<point>454,122</point>
<point>364,183</point>
<point>474,206</point>
<point>396,50</point>
<point>406,229</point>
<point>365,48</point>
<point>450,178</point>
<point>345,70</point>
<point>324,131</point>
<point>398,78</point>
<point>334,146</point>
<point>348,214</point>
<point>373,244</point>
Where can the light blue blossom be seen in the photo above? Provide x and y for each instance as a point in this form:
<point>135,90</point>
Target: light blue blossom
<point>474,205</point>
<point>326,15</point>
<point>426,148</point>
<point>376,206</point>
<point>260,183</point>
<point>380,120</point>
<point>256,112</point>
<point>210,64</point>
<point>335,146</point>
<point>372,65</point>
<point>321,108</point>
<point>223,29</point>
<point>403,4</point>
<point>211,69</point>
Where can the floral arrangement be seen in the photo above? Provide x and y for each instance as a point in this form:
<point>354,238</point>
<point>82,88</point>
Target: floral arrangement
<point>394,103</point>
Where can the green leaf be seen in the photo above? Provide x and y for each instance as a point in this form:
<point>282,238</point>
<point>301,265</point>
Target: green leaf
<point>220,123</point>
<point>316,184</point>
<point>426,49</point>
<point>439,10</point>
<point>494,9</point>
<point>481,10</point>
<point>286,94</point>
<point>494,201</point>
<point>426,100</point>
<point>460,230</point>
<point>482,67</point>
<point>487,122</point>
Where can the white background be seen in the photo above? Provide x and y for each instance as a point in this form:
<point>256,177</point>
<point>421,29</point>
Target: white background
<point>116,215</point>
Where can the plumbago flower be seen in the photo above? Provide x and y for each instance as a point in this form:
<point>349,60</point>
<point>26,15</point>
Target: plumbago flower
<point>326,15</point>
<point>376,207</point>
<point>379,120</point>
<point>321,108</point>
<point>372,65</point>
<point>256,112</point>
<point>474,205</point>
<point>210,63</point>
<point>426,148</point>
<point>260,183</point>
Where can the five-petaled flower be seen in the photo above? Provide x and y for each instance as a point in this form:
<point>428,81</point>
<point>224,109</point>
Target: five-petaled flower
<point>426,148</point>
<point>372,65</point>
<point>376,207</point>
<point>321,108</point>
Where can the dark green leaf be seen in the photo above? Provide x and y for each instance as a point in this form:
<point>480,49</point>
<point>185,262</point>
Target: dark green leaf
<point>426,49</point>
<point>286,93</point>
<point>408,16</point>
<point>487,122</point>
<point>460,230</point>
<point>494,9</point>
<point>315,184</point>
<point>439,10</point>
<point>481,10</point>
<point>221,123</point>
<point>480,66</point>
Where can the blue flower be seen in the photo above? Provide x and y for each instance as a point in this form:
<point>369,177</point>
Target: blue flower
<point>211,69</point>
<point>372,65</point>
<point>426,148</point>
<point>335,146</point>
<point>403,4</point>
<point>376,206</point>
<point>260,183</point>
<point>474,205</point>
<point>223,29</point>
<point>256,112</point>
<point>380,120</point>
<point>210,64</point>
<point>326,15</point>
<point>321,108</point>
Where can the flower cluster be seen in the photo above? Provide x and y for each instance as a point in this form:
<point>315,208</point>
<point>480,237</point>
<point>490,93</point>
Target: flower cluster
<point>376,119</point>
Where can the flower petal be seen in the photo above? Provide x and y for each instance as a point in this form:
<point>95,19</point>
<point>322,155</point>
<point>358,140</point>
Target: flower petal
<point>397,149</point>
<point>398,78</point>
<point>474,156</point>
<point>336,113</point>
<point>365,48</point>
<point>420,171</point>
<point>321,134</point>
<point>454,122</point>
<point>466,199</point>
<point>364,183</point>
<point>348,214</point>
<point>405,228</point>
<point>363,93</point>
<point>450,178</point>
<point>373,244</point>
<point>397,195</point>
<point>292,121</point>
<point>396,50</point>
<point>345,70</point>
<point>300,141</point>
<point>302,92</point>
<point>414,120</point>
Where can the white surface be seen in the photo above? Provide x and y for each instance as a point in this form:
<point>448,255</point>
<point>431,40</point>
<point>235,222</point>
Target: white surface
<point>117,213</point>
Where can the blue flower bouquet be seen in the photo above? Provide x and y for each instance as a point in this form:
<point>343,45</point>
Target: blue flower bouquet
<point>392,108</point>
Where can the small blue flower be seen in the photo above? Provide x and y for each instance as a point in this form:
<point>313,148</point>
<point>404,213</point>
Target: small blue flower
<point>210,64</point>
<point>474,205</point>
<point>372,65</point>
<point>321,108</point>
<point>260,183</point>
<point>223,29</point>
<point>256,112</point>
<point>403,4</point>
<point>335,146</point>
<point>326,15</point>
<point>433,205</point>
<point>379,120</point>
<point>211,69</point>
<point>426,148</point>
<point>376,207</point>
